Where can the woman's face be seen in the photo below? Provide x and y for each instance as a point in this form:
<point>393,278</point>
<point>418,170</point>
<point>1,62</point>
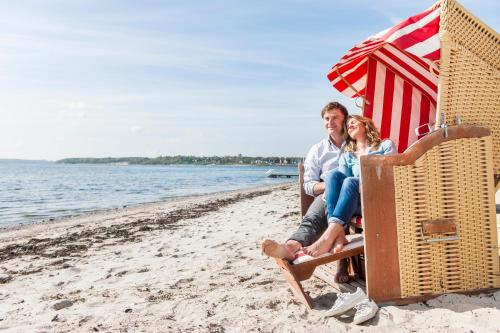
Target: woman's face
<point>355,129</point>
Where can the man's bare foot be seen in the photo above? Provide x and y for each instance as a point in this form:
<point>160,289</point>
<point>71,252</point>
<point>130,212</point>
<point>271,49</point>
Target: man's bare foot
<point>325,243</point>
<point>276,250</point>
<point>342,275</point>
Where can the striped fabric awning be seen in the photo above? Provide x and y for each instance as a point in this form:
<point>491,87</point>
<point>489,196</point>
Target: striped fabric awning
<point>394,73</point>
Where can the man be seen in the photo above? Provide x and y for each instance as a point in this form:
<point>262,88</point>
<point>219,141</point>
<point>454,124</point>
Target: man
<point>322,157</point>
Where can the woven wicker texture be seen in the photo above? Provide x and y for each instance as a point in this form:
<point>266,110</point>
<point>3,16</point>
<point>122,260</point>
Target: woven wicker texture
<point>470,32</point>
<point>469,84</point>
<point>451,181</point>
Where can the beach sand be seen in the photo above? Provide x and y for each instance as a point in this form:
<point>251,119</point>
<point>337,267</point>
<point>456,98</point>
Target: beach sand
<point>192,265</point>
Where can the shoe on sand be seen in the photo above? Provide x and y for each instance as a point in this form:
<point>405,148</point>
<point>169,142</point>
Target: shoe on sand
<point>365,310</point>
<point>345,302</point>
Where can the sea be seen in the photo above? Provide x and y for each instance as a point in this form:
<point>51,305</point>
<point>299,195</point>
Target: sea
<point>34,191</point>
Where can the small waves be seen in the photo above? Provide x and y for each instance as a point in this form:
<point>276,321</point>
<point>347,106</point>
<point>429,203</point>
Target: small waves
<point>35,191</point>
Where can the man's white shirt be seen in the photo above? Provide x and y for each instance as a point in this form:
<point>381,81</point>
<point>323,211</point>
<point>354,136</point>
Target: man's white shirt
<point>321,158</point>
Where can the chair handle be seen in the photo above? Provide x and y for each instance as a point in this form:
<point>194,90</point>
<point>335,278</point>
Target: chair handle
<point>439,226</point>
<point>429,129</point>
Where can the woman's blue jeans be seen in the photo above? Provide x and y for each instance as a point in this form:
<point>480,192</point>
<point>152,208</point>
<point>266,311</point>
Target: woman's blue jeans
<point>342,197</point>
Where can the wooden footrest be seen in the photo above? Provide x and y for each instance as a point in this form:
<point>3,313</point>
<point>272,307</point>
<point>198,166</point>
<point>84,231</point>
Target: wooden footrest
<point>303,271</point>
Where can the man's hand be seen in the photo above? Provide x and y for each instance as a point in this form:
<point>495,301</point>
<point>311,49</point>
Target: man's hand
<point>319,188</point>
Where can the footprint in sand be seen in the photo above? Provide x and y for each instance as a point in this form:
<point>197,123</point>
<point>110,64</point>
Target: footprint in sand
<point>248,277</point>
<point>109,294</point>
<point>182,282</point>
<point>219,245</point>
<point>122,273</point>
<point>261,283</point>
<point>143,288</point>
<point>160,296</point>
<point>253,306</point>
<point>272,304</point>
<point>84,320</point>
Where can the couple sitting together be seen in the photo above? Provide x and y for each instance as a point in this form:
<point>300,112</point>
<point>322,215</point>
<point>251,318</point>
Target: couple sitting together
<point>332,177</point>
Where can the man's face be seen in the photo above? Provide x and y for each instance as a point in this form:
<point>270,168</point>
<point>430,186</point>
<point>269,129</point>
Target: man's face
<point>334,121</point>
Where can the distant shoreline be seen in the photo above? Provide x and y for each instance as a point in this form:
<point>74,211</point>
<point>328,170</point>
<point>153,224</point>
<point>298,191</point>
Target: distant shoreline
<point>187,160</point>
<point>14,160</point>
<point>173,160</point>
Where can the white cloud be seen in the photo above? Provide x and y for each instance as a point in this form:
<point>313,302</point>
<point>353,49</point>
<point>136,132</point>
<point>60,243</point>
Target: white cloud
<point>136,129</point>
<point>395,19</point>
<point>79,105</point>
<point>173,140</point>
<point>74,110</point>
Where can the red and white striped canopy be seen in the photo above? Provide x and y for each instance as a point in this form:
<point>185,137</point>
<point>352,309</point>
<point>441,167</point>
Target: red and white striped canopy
<point>391,71</point>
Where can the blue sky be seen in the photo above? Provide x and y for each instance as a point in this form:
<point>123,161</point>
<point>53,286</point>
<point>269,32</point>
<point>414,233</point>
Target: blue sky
<point>148,78</point>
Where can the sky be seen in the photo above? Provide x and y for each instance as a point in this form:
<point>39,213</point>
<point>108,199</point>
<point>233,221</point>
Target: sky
<point>93,78</point>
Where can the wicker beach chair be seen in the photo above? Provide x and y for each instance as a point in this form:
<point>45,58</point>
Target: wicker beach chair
<point>437,233</point>
<point>428,213</point>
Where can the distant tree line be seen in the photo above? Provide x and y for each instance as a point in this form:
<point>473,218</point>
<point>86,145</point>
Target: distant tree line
<point>181,159</point>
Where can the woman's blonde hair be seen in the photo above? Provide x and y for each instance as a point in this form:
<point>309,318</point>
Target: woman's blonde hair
<point>372,133</point>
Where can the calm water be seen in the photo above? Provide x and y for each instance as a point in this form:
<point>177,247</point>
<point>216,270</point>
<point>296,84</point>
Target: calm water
<point>33,191</point>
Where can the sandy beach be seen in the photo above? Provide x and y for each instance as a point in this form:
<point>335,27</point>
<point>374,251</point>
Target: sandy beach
<point>191,265</point>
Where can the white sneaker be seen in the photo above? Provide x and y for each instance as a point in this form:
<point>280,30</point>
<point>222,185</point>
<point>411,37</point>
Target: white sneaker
<point>345,302</point>
<point>364,311</point>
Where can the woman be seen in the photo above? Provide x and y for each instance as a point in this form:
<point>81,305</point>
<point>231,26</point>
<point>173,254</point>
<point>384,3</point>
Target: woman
<point>342,185</point>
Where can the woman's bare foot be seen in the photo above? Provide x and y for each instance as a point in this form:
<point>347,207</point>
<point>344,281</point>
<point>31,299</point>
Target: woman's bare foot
<point>339,242</point>
<point>321,246</point>
<point>276,250</point>
<point>342,275</point>
<point>325,243</point>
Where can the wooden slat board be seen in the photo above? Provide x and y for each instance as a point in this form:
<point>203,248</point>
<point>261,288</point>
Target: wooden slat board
<point>381,249</point>
<point>327,273</point>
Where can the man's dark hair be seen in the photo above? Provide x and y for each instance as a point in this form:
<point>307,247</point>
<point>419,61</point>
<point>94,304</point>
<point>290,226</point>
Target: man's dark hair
<point>335,105</point>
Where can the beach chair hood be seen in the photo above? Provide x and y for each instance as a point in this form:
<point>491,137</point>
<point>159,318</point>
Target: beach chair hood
<point>441,62</point>
<point>395,75</point>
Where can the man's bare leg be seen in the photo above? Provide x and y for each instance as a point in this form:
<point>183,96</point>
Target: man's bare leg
<point>284,251</point>
<point>342,274</point>
<point>327,241</point>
